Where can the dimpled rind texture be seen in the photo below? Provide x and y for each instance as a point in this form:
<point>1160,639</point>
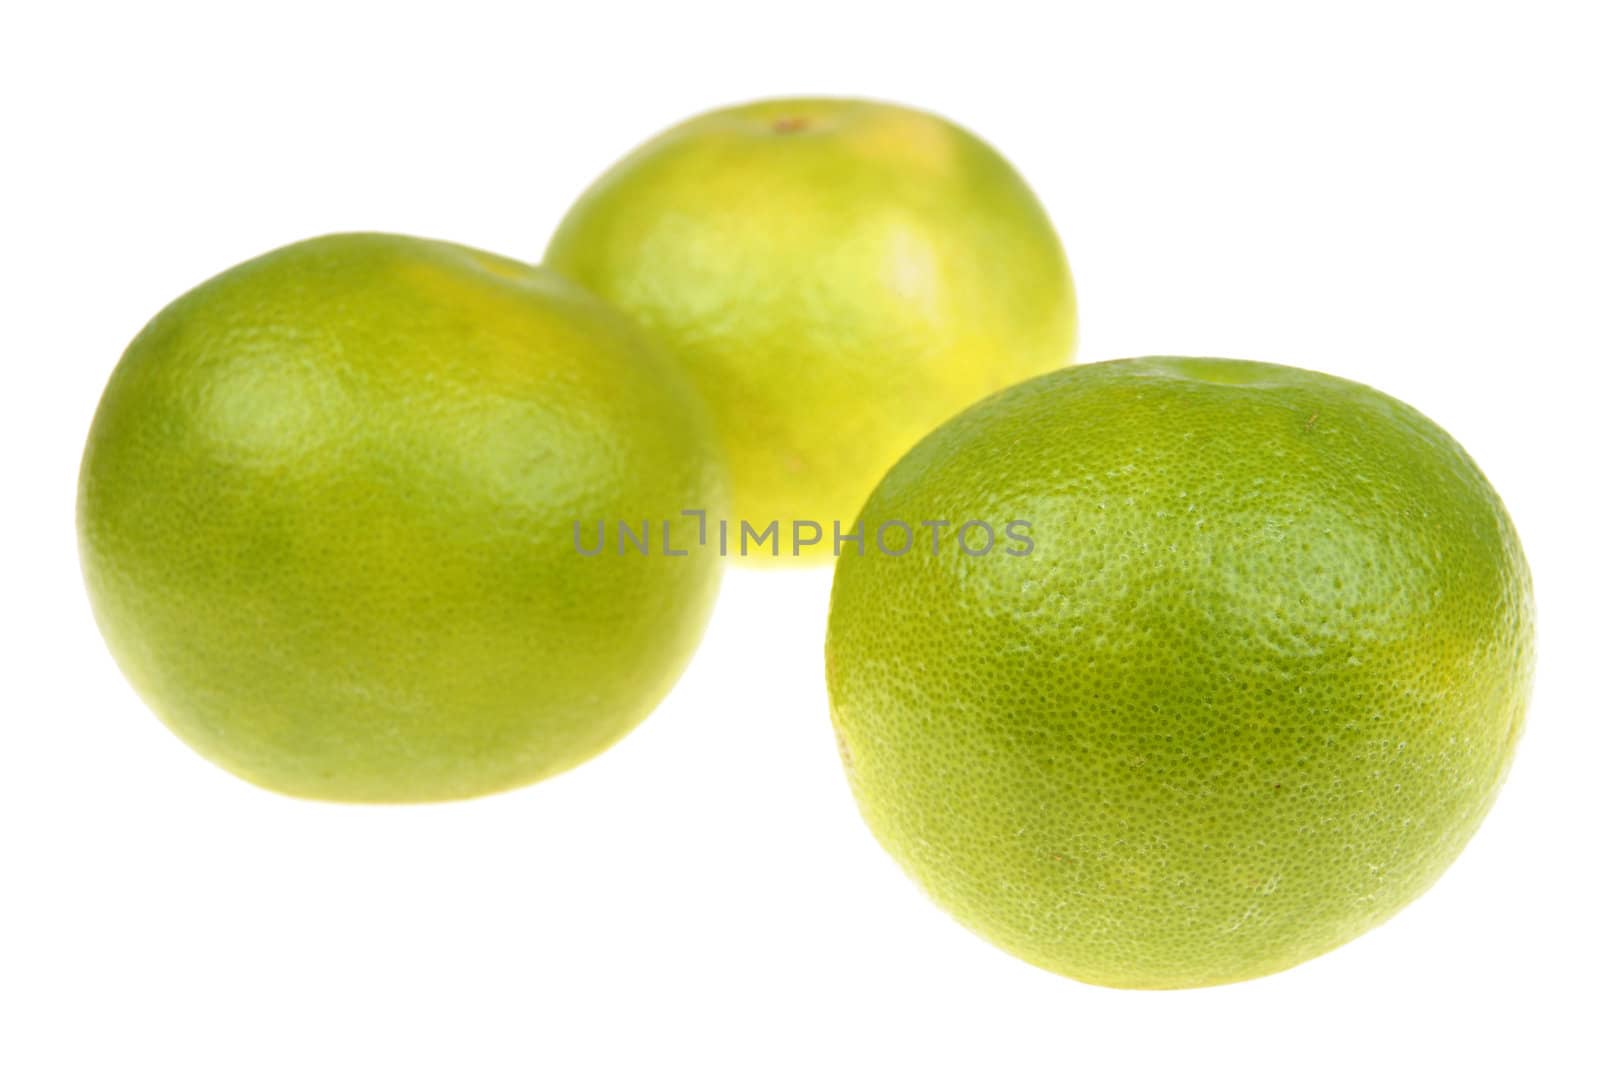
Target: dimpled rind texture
<point>1251,692</point>
<point>326,520</point>
<point>837,276</point>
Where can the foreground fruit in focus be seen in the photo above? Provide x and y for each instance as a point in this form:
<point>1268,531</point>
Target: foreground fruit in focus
<point>1251,691</point>
<point>837,276</point>
<point>326,520</point>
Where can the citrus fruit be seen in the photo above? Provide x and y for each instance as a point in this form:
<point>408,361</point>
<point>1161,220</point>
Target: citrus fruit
<point>326,517</point>
<point>1239,684</point>
<point>837,277</point>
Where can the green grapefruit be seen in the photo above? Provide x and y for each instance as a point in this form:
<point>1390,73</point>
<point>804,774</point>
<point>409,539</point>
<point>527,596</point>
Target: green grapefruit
<point>326,520</point>
<point>836,276</point>
<point>1242,688</point>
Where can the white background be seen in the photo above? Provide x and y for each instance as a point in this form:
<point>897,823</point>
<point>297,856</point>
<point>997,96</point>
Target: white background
<point>1397,193</point>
